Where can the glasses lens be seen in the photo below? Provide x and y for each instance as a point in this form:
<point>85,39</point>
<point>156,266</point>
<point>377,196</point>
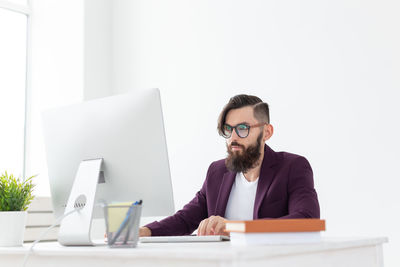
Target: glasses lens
<point>227,131</point>
<point>242,130</point>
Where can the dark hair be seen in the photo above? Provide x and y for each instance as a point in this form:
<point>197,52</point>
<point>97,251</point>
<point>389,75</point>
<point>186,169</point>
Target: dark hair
<point>260,108</point>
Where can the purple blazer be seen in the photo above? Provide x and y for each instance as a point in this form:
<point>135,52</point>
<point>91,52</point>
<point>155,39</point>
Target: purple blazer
<point>285,190</point>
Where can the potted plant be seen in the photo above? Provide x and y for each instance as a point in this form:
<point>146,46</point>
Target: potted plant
<point>15,196</point>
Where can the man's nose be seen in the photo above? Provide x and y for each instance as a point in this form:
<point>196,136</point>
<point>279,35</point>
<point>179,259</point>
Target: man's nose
<point>234,136</point>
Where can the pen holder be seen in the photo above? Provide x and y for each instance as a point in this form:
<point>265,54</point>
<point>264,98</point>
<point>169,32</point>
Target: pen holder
<point>122,224</point>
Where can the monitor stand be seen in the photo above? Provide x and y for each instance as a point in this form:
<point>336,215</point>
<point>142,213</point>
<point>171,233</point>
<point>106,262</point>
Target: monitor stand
<point>75,228</point>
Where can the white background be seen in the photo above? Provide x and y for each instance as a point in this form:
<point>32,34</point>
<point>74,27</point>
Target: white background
<point>328,69</point>
<point>12,91</point>
<point>57,73</point>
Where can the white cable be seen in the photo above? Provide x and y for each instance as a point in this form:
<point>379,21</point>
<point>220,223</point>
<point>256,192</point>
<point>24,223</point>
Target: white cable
<point>42,235</point>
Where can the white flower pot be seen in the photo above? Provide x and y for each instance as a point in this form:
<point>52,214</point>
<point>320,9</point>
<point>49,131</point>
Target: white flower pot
<point>12,228</point>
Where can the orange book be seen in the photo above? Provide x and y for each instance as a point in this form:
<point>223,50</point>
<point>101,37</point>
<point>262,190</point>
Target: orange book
<point>276,226</point>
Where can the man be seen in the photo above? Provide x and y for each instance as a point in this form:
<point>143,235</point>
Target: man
<point>253,182</point>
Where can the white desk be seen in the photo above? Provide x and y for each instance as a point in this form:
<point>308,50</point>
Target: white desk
<point>331,252</point>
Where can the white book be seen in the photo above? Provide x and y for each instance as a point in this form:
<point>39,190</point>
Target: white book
<point>275,238</point>
<point>33,233</point>
<point>40,219</point>
<point>41,204</point>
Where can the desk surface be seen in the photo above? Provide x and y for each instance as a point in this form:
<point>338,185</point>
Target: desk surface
<point>221,253</point>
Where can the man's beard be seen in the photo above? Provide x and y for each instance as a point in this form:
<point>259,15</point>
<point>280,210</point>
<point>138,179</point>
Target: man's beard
<point>246,160</point>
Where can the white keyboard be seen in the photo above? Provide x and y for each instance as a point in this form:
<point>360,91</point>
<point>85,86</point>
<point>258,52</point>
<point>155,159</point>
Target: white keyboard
<point>183,238</point>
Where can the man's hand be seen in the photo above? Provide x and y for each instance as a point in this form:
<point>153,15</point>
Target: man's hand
<point>214,225</point>
<point>144,231</point>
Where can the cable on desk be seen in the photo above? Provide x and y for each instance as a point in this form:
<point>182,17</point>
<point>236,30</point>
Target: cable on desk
<point>44,233</point>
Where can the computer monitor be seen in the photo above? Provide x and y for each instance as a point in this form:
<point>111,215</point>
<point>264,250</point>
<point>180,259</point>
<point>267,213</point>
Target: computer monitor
<point>125,131</point>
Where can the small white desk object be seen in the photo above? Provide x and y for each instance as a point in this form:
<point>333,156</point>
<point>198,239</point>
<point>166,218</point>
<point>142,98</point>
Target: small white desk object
<point>366,252</point>
<point>183,239</point>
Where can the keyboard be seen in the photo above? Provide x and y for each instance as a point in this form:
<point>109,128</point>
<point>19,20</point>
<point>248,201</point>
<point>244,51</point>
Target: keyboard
<point>183,239</point>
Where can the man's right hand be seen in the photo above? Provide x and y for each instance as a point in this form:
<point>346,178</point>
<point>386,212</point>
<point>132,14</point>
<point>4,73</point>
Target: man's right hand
<point>213,225</point>
<point>144,231</point>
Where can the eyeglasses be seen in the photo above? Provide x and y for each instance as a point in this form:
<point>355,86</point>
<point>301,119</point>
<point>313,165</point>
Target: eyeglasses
<point>242,130</point>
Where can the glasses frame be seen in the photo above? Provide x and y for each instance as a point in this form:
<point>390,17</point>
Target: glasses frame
<point>237,131</point>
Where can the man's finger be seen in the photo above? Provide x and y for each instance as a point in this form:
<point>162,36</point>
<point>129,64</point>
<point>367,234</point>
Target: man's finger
<point>219,228</point>
<point>200,227</point>
<point>204,227</point>
<point>212,222</point>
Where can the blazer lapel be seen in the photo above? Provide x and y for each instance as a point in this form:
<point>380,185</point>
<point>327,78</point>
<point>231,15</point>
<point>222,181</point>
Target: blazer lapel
<point>224,192</point>
<point>265,179</point>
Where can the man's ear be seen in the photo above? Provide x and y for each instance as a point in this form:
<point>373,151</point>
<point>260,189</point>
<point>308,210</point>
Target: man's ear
<point>268,131</point>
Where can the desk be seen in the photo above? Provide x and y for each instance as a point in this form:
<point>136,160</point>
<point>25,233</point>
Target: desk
<point>330,252</point>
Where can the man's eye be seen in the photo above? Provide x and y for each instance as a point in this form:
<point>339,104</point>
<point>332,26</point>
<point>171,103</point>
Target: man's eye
<point>242,127</point>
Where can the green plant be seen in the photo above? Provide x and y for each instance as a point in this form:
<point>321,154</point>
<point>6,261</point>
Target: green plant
<point>15,195</point>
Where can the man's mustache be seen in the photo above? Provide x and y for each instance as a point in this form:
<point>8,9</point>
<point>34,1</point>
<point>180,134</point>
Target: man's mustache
<point>234,143</point>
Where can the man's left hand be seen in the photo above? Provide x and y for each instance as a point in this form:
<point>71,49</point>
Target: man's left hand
<point>214,225</point>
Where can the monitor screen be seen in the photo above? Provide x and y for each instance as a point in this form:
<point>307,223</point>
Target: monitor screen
<point>127,132</point>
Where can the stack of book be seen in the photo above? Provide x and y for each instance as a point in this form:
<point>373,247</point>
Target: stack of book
<point>275,231</point>
<point>40,217</point>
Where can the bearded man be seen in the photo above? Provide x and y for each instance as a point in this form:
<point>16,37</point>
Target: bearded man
<point>253,182</point>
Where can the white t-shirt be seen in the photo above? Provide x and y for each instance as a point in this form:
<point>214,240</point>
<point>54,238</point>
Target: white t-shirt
<point>241,200</point>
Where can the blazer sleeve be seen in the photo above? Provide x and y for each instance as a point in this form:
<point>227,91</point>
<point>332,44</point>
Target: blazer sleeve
<point>302,197</point>
<point>186,220</point>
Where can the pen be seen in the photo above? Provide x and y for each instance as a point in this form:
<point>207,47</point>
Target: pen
<point>130,225</point>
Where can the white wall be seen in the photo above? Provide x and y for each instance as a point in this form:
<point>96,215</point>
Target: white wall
<point>97,57</point>
<point>57,73</point>
<point>328,69</point>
